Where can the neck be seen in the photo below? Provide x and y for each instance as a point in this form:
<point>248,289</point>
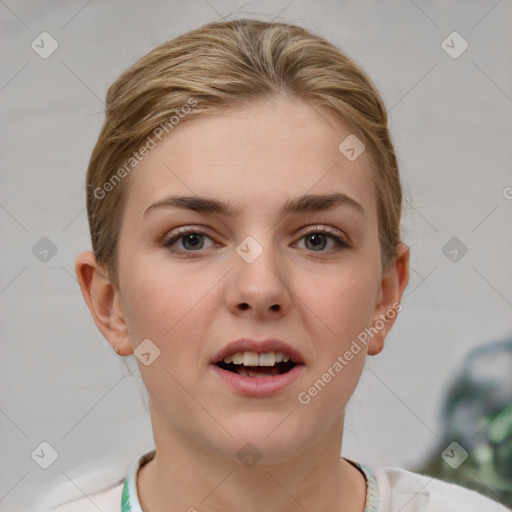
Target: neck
<point>193,478</point>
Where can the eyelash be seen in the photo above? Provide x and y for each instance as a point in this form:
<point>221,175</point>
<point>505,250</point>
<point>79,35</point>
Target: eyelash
<point>179,233</point>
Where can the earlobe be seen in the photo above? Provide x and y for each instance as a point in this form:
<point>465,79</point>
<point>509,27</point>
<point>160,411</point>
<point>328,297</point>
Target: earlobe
<point>103,301</point>
<point>393,284</point>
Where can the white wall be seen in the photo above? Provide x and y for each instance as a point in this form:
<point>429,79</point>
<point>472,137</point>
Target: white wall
<point>451,121</point>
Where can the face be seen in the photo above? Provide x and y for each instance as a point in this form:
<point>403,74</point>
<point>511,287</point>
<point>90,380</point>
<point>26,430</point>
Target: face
<point>194,278</point>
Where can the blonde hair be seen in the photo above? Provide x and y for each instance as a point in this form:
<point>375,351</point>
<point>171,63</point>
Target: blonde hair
<point>228,64</point>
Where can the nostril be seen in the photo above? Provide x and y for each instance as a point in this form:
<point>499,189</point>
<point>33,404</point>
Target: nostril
<point>244,306</point>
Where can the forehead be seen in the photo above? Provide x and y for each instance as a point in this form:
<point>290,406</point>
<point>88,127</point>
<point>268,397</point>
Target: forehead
<point>261,154</point>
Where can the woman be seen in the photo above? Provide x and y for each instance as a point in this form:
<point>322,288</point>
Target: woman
<point>244,203</point>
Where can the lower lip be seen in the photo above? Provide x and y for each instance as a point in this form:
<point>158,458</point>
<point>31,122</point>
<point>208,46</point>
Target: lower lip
<point>258,386</point>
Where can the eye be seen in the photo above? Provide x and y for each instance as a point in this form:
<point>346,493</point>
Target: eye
<point>316,240</point>
<point>192,239</point>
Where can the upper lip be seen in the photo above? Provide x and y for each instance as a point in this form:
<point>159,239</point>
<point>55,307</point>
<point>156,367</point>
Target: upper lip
<point>260,347</point>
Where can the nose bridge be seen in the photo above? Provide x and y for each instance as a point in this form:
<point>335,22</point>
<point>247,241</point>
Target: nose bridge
<point>257,256</point>
<point>258,283</point>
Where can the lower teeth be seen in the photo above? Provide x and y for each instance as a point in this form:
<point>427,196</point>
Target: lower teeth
<point>270,372</point>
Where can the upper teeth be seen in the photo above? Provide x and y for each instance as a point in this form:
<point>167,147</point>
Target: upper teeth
<point>255,359</point>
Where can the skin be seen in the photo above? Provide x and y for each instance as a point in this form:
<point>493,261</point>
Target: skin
<point>192,303</point>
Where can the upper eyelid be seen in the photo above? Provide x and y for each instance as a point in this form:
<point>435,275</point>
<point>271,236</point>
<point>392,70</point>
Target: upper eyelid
<point>307,229</point>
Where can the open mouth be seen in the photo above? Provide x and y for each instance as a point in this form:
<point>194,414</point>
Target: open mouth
<point>252,364</point>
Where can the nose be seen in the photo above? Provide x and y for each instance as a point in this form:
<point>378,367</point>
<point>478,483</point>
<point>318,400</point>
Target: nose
<point>258,285</point>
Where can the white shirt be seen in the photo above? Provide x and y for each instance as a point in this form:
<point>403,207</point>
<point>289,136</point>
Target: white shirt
<point>388,490</point>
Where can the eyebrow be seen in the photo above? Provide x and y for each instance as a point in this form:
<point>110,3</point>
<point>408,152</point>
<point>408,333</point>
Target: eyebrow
<point>302,204</point>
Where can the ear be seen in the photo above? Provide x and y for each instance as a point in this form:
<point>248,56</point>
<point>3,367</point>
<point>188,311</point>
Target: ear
<point>104,302</point>
<point>394,280</point>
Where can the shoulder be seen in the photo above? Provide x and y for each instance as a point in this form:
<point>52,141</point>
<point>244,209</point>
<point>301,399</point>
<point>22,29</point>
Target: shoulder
<point>399,489</point>
<point>106,501</point>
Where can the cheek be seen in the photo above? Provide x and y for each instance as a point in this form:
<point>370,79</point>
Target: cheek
<point>345,310</point>
<point>161,300</point>
<point>341,304</point>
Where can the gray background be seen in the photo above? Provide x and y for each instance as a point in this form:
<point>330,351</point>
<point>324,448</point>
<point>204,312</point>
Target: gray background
<point>451,121</point>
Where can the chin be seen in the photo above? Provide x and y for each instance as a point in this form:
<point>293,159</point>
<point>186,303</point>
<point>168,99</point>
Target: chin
<point>263,438</point>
